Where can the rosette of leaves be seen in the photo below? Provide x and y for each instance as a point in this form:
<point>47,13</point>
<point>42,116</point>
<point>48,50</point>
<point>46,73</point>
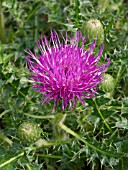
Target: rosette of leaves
<point>94,29</point>
<point>29,132</point>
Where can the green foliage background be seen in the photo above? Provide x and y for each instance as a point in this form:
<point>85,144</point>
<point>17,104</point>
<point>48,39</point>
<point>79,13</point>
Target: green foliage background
<point>96,136</point>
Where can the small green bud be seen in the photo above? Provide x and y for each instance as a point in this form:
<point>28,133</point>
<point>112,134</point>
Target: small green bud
<point>94,29</point>
<point>108,83</point>
<point>29,132</point>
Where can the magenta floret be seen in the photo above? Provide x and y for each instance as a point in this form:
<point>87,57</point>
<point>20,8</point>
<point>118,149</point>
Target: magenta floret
<point>64,70</point>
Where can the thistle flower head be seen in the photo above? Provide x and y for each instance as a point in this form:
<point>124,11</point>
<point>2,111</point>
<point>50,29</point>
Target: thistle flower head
<point>64,70</point>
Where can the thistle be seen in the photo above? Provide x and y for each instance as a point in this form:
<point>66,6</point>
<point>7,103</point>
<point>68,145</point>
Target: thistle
<point>29,132</point>
<point>108,85</point>
<point>94,29</point>
<point>65,71</point>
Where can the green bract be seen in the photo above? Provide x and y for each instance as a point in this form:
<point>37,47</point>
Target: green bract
<point>94,29</point>
<point>29,132</point>
<point>108,84</point>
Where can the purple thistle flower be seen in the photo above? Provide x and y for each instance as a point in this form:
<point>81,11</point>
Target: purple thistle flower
<point>65,70</point>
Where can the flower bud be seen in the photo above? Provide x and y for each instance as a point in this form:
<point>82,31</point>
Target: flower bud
<point>108,84</point>
<point>94,29</point>
<point>29,132</point>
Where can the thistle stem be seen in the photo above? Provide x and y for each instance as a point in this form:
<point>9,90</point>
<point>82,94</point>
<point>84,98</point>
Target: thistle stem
<point>28,167</point>
<point>6,139</point>
<point>118,75</point>
<point>102,117</point>
<point>87,143</point>
<point>11,159</point>
<point>43,143</point>
<point>40,117</point>
<point>3,113</point>
<point>50,156</point>
<point>2,25</point>
<point>113,107</point>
